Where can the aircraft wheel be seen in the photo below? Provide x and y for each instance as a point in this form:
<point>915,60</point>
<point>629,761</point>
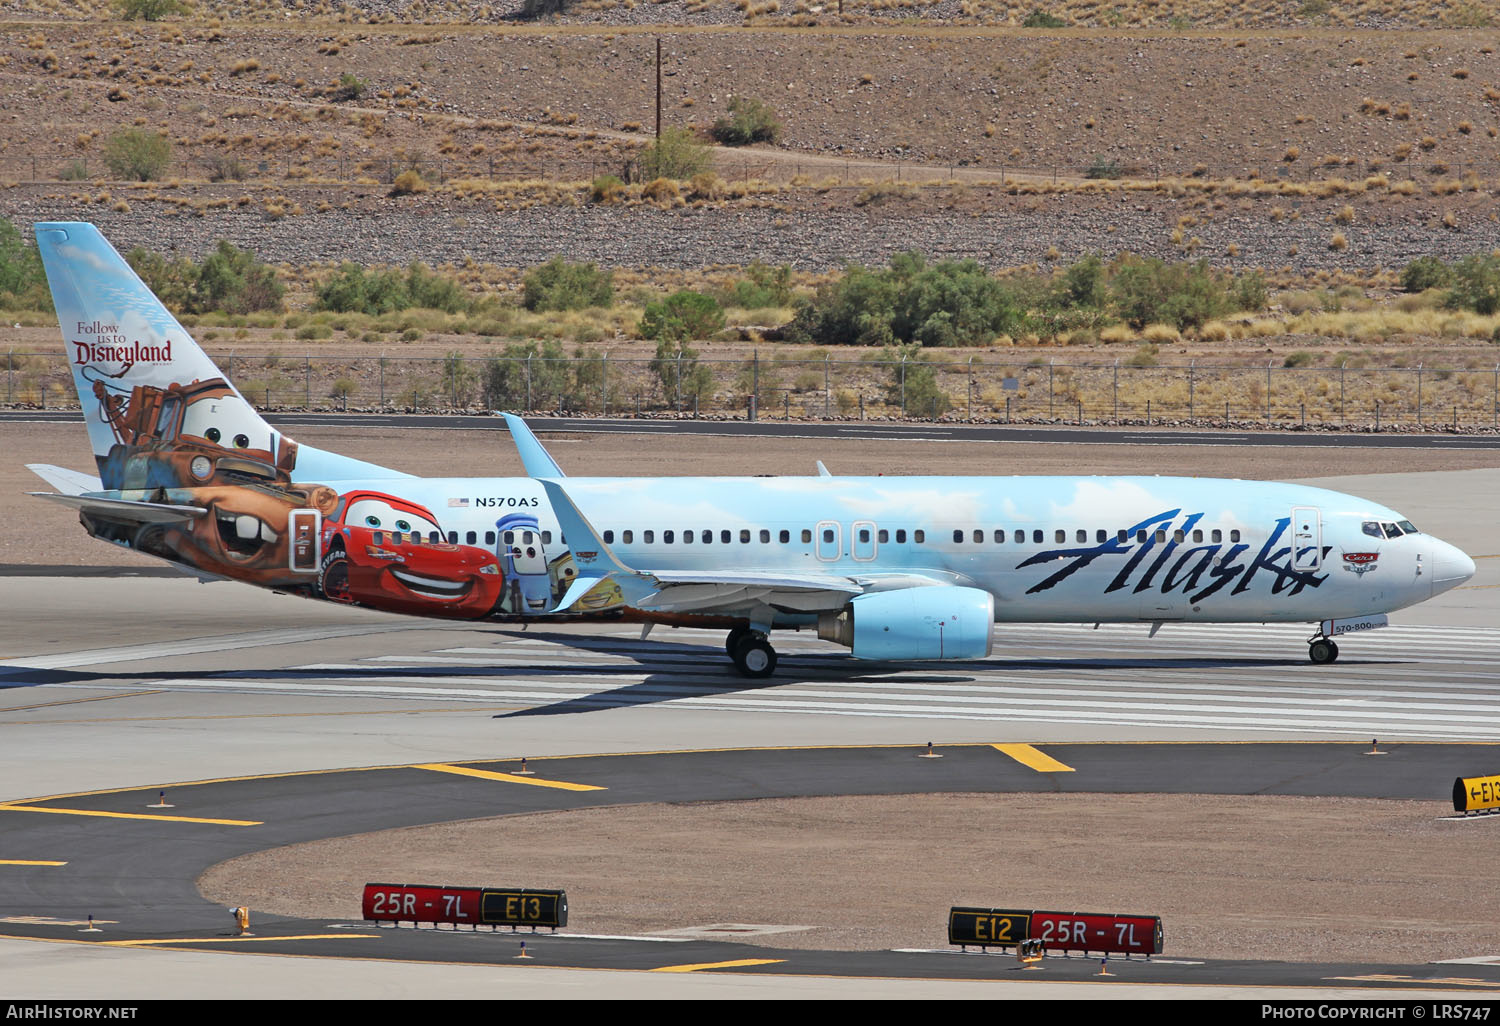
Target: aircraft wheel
<point>735,637</point>
<point>1322,651</point>
<point>754,657</point>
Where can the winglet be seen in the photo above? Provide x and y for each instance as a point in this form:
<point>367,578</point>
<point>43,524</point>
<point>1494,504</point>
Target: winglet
<point>822,470</point>
<point>534,457</point>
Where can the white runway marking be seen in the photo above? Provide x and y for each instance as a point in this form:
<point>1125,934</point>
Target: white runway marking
<point>1406,682</point>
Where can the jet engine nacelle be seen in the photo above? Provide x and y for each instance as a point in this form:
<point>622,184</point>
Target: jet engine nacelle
<point>914,623</point>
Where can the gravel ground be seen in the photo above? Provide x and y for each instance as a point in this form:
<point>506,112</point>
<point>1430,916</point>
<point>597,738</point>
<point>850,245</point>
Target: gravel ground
<point>1295,879</point>
<point>808,232</point>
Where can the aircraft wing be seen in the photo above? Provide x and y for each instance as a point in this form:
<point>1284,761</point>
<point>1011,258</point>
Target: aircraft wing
<point>691,590</point>
<point>126,509</point>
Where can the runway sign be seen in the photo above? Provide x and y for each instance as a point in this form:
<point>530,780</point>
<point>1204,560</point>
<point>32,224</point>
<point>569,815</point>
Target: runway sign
<point>419,903</point>
<point>1057,931</point>
<point>1476,794</point>
<point>524,908</point>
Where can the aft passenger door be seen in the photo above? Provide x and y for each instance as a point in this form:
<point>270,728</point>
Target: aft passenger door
<point>1307,538</point>
<point>830,541</point>
<point>862,542</point>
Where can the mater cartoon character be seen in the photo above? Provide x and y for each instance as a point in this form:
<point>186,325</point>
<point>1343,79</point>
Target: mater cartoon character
<point>186,436</point>
<point>382,551</point>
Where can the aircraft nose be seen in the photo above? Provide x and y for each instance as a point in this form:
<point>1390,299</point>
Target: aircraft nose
<point>1451,566</point>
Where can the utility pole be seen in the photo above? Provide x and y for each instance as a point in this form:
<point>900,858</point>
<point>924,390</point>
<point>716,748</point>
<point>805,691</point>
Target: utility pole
<point>658,88</point>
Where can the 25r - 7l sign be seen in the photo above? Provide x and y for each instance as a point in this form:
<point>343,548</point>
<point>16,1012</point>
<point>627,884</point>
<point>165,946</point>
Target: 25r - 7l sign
<point>1057,931</point>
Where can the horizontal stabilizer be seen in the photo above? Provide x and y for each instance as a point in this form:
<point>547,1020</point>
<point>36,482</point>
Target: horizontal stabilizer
<point>126,509</point>
<point>68,482</point>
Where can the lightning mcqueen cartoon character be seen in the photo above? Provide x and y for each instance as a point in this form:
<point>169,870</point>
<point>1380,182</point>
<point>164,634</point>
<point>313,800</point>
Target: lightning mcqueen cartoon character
<point>384,552</point>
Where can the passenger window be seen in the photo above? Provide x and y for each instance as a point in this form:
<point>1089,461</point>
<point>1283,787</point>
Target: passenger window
<point>396,538</point>
<point>510,538</point>
<point>784,537</point>
<point>1083,536</point>
<point>687,537</point>
<point>864,536</point>
<point>546,537</point>
<point>827,535</point>
<point>609,537</point>
<point>1161,536</point>
<point>666,537</point>
<point>433,537</point>
<point>1060,535</point>
<point>1234,536</point>
<point>765,536</point>
<point>724,537</point>
<point>900,536</point>
<point>1100,535</point>
<point>379,537</point>
<point>627,536</point>
<point>1122,536</point>
<point>1217,535</point>
<point>489,538</point>
<point>1197,536</point>
<point>958,537</point>
<point>978,537</point>
<point>744,537</point>
<point>918,536</point>
<point>806,536</point>
<point>1020,537</point>
<point>1036,536</point>
<point>649,537</point>
<point>452,537</point>
<point>708,537</point>
<point>527,538</point>
<point>1140,535</point>
<point>884,536</point>
<point>999,537</point>
<point>1178,536</point>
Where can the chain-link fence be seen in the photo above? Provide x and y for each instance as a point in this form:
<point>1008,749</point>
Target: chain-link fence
<point>761,386</point>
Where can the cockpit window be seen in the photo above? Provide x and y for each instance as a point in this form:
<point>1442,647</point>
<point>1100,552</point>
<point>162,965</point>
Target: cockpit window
<point>1371,528</point>
<point>1408,527</point>
<point>1391,530</point>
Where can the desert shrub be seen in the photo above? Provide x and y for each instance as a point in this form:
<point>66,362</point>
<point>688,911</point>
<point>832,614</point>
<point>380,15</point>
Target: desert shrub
<point>1423,273</point>
<point>234,281</point>
<point>559,285</point>
<point>543,8</point>
<point>224,167</point>
<point>1103,167</point>
<point>148,10</point>
<point>408,183</point>
<point>457,380</point>
<point>137,155</point>
<point>913,384</point>
<point>946,304</point>
<point>682,377</point>
<point>23,283</point>
<point>1039,18</point>
<point>1476,284</point>
<point>606,189</point>
<point>74,171</point>
<point>350,87</point>
<point>1146,290</point>
<point>762,286</point>
<point>681,316</point>
<point>541,365</point>
<point>1085,283</point>
<point>230,280</point>
<point>749,121</point>
<point>675,154</point>
<point>354,289</point>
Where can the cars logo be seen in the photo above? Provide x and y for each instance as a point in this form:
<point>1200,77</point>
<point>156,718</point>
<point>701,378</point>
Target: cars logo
<point>1360,562</point>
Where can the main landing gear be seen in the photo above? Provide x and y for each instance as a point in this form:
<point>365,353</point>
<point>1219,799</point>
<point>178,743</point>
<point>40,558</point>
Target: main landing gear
<point>752,653</point>
<point>1322,650</point>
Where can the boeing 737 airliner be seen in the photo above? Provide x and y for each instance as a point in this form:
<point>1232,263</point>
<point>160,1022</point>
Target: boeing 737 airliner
<point>892,568</point>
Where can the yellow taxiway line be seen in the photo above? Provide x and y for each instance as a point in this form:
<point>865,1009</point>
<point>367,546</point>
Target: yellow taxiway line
<point>507,778</point>
<point>29,862</point>
<point>717,965</point>
<point>1038,760</point>
<point>129,815</point>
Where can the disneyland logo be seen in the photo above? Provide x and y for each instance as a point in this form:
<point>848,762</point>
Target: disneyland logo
<point>117,350</point>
